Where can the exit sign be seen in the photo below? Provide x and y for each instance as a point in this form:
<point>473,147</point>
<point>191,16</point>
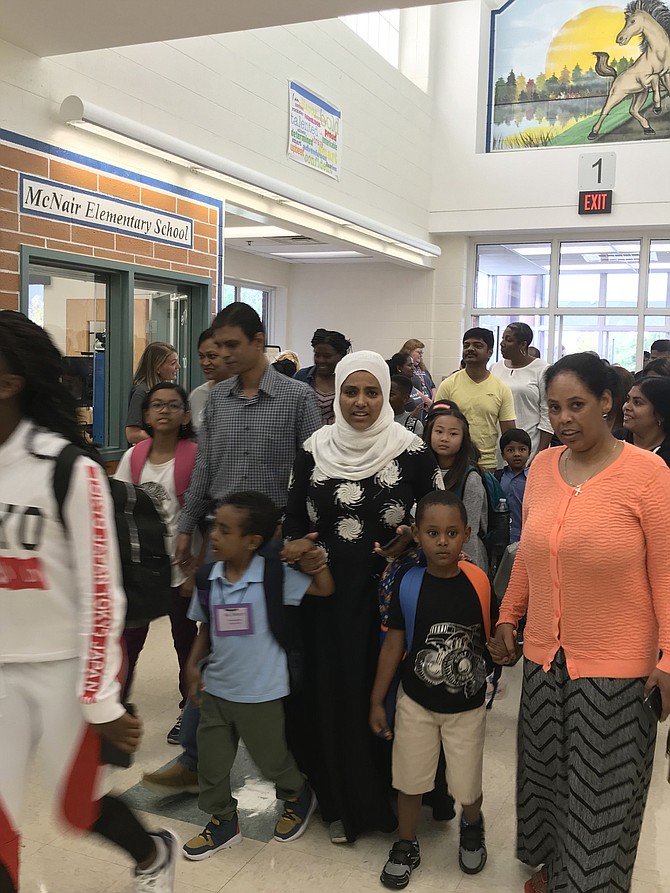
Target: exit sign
<point>595,202</point>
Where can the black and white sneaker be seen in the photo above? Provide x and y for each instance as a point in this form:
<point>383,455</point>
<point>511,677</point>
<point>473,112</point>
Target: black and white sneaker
<point>472,849</point>
<point>160,879</point>
<point>404,857</point>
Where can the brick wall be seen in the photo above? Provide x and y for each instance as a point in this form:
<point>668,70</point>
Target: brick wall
<point>18,229</point>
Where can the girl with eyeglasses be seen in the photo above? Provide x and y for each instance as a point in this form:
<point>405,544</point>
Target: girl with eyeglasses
<point>163,469</point>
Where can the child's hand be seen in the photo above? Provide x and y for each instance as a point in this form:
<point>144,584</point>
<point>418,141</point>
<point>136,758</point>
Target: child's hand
<point>124,732</point>
<point>295,550</point>
<point>194,684</point>
<point>498,651</point>
<point>313,561</point>
<point>505,638</point>
<point>378,722</point>
<point>405,534</point>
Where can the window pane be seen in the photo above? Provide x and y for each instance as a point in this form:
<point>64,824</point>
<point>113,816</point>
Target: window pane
<point>612,337</point>
<point>498,324</point>
<point>72,306</point>
<point>655,328</point>
<point>255,298</point>
<point>659,274</point>
<point>229,294</point>
<point>598,274</point>
<point>512,275</point>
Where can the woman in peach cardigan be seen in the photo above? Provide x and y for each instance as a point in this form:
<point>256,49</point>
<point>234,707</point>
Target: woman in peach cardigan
<point>593,574</point>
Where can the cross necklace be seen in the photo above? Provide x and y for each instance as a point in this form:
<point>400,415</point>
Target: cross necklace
<point>578,487</point>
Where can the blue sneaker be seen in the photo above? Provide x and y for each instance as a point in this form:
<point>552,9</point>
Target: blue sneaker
<point>296,816</point>
<point>216,835</point>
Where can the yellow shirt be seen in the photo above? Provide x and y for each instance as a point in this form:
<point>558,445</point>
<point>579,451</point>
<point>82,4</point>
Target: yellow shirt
<point>483,404</point>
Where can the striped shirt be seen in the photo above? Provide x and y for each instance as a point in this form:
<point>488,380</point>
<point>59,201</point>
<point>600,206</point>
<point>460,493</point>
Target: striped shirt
<point>249,443</point>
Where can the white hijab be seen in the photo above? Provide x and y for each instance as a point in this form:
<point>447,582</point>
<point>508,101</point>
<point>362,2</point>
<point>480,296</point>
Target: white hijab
<point>341,451</point>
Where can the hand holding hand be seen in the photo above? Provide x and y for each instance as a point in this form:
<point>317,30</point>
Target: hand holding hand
<point>505,639</point>
<point>313,561</point>
<point>125,733</point>
<point>378,722</point>
<point>294,550</point>
<point>498,651</point>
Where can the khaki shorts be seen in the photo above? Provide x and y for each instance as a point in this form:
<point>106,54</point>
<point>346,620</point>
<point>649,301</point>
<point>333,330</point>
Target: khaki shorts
<point>417,738</point>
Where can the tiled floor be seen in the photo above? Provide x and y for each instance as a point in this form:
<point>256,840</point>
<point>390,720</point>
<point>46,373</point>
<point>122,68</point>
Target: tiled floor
<point>54,862</point>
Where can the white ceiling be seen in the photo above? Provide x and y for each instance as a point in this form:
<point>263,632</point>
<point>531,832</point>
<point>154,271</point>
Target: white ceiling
<point>52,27</point>
<point>292,246</point>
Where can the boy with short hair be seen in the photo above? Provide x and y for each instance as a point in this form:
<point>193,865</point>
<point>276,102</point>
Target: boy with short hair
<point>401,388</point>
<point>441,617</point>
<point>245,676</point>
<point>515,446</point>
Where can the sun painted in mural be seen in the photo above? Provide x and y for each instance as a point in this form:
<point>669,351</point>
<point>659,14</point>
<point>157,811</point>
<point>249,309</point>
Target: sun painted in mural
<point>570,73</point>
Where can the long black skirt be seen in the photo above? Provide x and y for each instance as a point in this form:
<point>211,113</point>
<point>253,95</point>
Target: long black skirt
<point>585,757</point>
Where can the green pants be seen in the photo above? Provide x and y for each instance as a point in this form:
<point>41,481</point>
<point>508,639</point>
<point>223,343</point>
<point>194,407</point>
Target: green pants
<point>261,727</point>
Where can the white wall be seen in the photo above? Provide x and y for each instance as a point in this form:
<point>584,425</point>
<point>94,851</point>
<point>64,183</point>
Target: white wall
<point>378,306</point>
<point>476,192</point>
<point>229,94</point>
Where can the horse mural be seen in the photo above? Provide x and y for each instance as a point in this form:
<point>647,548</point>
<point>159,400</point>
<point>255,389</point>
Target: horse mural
<point>649,19</point>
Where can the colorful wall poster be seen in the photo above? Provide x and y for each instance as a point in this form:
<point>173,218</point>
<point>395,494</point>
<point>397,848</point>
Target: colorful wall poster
<point>315,131</point>
<point>570,73</point>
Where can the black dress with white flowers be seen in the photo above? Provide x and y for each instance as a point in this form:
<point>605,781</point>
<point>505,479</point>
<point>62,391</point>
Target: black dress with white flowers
<point>328,731</point>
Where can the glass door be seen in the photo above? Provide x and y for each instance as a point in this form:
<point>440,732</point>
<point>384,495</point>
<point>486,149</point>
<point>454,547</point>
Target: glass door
<point>161,313</point>
<point>72,305</point>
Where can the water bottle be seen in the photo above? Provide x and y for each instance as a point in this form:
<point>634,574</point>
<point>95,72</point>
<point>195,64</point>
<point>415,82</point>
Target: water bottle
<point>500,532</point>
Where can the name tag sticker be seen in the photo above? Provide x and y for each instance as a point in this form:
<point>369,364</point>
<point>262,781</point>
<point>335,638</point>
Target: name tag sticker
<point>233,620</point>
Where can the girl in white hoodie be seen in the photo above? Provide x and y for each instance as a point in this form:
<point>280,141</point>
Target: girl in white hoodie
<point>62,607</point>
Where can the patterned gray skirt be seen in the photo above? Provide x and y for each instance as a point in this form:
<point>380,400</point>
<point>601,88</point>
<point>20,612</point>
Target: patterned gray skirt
<point>585,756</point>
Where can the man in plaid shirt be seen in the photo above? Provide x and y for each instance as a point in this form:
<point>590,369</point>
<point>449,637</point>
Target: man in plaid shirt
<point>253,425</point>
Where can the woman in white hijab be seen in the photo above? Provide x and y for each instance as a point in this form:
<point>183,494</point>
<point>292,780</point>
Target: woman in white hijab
<point>354,482</point>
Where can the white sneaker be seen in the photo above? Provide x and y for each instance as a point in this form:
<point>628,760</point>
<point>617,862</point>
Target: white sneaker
<point>162,879</point>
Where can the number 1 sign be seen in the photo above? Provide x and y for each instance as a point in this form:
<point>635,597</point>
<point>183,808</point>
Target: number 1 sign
<point>596,171</point>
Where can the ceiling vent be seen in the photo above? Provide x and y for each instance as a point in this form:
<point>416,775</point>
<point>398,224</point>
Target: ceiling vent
<point>294,240</point>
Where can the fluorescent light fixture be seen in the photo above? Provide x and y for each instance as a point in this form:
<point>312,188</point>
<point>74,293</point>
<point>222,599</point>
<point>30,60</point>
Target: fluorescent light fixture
<point>317,255</point>
<point>256,232</point>
<point>530,250</point>
<point>78,113</point>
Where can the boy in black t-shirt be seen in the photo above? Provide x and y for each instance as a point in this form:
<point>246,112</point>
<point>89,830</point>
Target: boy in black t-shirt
<point>440,616</point>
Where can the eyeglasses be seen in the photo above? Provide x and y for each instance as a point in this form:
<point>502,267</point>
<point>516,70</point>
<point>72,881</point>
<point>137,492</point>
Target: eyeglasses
<point>172,406</point>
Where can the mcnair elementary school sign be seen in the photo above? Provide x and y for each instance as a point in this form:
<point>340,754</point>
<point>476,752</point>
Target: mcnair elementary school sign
<point>57,201</point>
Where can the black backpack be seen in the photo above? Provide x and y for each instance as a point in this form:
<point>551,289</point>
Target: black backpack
<point>283,620</point>
<point>141,532</point>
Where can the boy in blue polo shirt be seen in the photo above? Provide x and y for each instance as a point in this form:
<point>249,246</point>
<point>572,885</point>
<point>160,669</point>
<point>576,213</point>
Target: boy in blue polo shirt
<point>245,676</point>
<point>515,446</point>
